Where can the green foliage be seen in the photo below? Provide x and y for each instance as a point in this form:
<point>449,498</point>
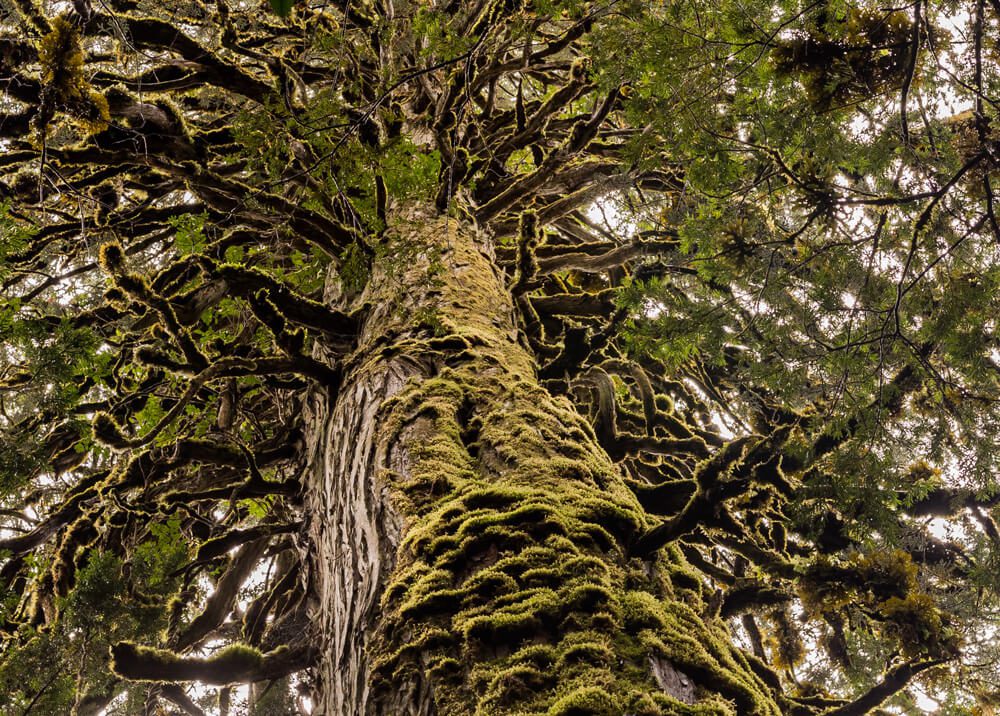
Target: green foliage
<point>158,558</point>
<point>257,508</point>
<point>189,233</point>
<point>262,131</point>
<point>670,325</point>
<point>353,269</point>
<point>39,669</point>
<point>277,700</point>
<point>98,584</point>
<point>151,414</point>
<point>282,8</point>
<point>440,40</point>
<point>65,360</point>
<point>45,666</point>
<point>409,172</point>
<point>15,237</point>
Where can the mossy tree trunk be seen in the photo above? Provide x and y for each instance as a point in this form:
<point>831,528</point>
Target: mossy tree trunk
<point>471,537</point>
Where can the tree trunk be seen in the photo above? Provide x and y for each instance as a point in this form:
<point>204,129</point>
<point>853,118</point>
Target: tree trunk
<point>471,536</point>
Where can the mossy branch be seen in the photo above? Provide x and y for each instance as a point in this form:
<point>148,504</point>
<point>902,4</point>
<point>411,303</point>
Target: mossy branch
<point>299,309</point>
<point>235,664</point>
<point>527,242</point>
<point>894,681</point>
<point>746,595</point>
<point>220,604</point>
<point>107,430</point>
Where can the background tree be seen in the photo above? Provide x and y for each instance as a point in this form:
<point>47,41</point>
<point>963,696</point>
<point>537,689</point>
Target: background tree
<point>498,357</point>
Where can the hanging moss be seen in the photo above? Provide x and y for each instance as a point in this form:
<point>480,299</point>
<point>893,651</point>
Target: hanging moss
<point>60,55</point>
<point>919,625</point>
<point>61,58</point>
<point>848,56</point>
<point>883,583</point>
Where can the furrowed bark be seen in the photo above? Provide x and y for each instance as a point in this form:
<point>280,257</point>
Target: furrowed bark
<point>469,535</point>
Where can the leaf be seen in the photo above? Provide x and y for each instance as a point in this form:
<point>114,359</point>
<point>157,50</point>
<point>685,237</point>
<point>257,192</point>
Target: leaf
<point>282,8</point>
<point>234,254</point>
<point>190,233</point>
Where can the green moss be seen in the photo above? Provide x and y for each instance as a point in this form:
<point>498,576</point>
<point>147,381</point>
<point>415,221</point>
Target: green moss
<point>61,58</point>
<point>542,656</point>
<point>444,668</point>
<point>684,577</point>
<point>233,663</point>
<point>594,537</point>
<point>111,257</point>
<point>518,684</point>
<point>126,654</point>
<point>515,554</point>
<point>590,597</point>
<point>586,701</point>
<point>405,658</point>
<point>641,610</point>
<point>542,577</point>
<point>590,653</point>
<point>492,498</point>
<point>486,586</point>
<point>616,518</point>
<point>522,618</point>
<point>431,594</point>
<point>237,656</point>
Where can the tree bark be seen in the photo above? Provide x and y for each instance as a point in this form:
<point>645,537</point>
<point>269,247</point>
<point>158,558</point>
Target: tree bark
<point>470,535</point>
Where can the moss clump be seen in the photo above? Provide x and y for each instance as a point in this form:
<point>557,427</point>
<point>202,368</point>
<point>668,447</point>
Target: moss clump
<point>886,583</point>
<point>133,660</point>
<point>785,643</point>
<point>615,518</point>
<point>641,610</point>
<point>920,625</point>
<point>237,656</point>
<point>487,586</point>
<point>537,560</point>
<point>591,598</point>
<point>586,701</point>
<point>431,594</point>
<point>525,617</point>
<point>492,498</point>
<point>518,684</point>
<point>445,668</point>
<point>589,653</point>
<point>60,55</point>
<point>61,58</point>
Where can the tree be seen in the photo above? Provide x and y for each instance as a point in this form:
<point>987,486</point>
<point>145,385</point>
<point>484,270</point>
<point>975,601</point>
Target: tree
<point>555,357</point>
